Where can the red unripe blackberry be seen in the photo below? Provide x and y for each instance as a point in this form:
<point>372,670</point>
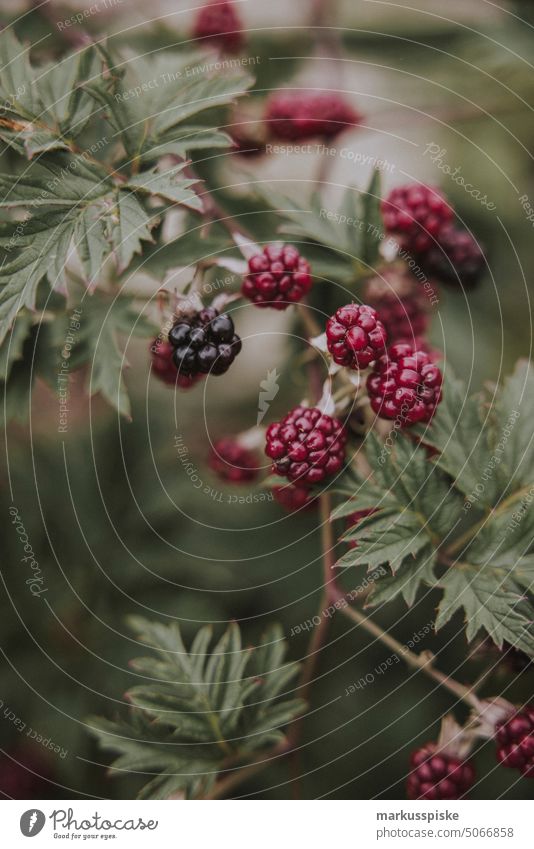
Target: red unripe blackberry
<point>293,497</point>
<point>294,116</point>
<point>307,446</point>
<point>438,775</point>
<point>355,337</point>
<point>164,368</point>
<point>416,215</point>
<point>278,276</point>
<point>219,22</point>
<point>232,462</point>
<point>457,259</point>
<point>401,304</point>
<point>204,343</point>
<point>515,741</point>
<point>405,384</point>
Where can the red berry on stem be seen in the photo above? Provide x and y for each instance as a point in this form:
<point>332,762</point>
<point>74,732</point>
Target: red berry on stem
<point>233,462</point>
<point>278,276</point>
<point>355,337</point>
<point>515,741</point>
<point>307,446</point>
<point>405,384</point>
<point>437,774</point>
<point>219,22</point>
<point>416,215</point>
<point>293,116</point>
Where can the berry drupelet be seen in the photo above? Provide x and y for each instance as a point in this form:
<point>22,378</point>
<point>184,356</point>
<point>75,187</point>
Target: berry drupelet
<point>438,775</point>
<point>204,343</point>
<point>307,446</point>
<point>417,215</point>
<point>219,22</point>
<point>232,462</point>
<point>296,116</point>
<point>458,259</point>
<point>401,304</point>
<point>515,741</point>
<point>163,365</point>
<point>355,337</point>
<point>405,383</point>
<point>278,276</point>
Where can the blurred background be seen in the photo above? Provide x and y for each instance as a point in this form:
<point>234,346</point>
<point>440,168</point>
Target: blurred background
<point>116,522</point>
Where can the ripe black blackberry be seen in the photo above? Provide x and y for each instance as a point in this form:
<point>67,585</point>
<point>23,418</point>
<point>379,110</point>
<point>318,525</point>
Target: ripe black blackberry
<point>204,343</point>
<point>437,774</point>
<point>515,741</point>
<point>457,259</point>
<point>355,336</point>
<point>307,446</point>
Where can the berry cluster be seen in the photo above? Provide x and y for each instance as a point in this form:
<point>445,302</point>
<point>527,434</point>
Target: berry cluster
<point>401,304</point>
<point>232,462</point>
<point>296,116</point>
<point>278,276</point>
<point>515,741</point>
<point>307,446</point>
<point>204,343</point>
<point>438,775</point>
<point>219,22</point>
<point>405,384</point>
<point>421,220</point>
<point>355,337</point>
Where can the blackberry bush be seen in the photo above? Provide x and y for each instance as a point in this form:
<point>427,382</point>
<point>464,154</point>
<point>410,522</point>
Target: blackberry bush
<point>126,210</point>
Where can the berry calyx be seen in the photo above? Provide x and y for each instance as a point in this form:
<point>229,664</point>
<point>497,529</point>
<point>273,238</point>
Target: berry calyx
<point>436,774</point>
<point>401,304</point>
<point>515,741</point>
<point>232,462</point>
<point>355,336</point>
<point>164,368</point>
<point>293,116</point>
<point>219,22</point>
<point>458,259</point>
<point>278,276</point>
<point>405,385</point>
<point>293,497</point>
<point>417,215</point>
<point>307,446</point>
<point>204,343</point>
